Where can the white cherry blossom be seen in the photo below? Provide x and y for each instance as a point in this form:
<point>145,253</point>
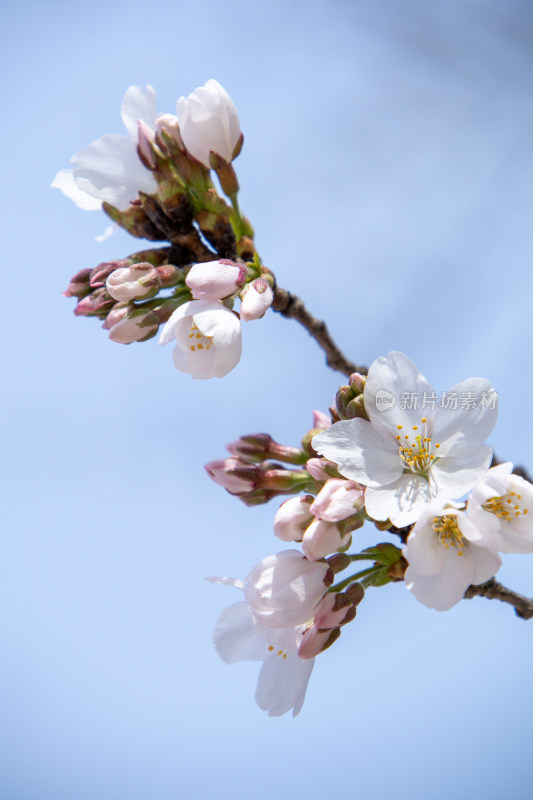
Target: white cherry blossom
<point>446,553</point>
<point>501,505</point>
<point>410,452</point>
<point>109,169</point>
<point>283,679</point>
<point>208,337</point>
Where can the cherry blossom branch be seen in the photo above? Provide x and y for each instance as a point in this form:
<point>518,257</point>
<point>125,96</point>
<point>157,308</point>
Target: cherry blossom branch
<point>493,590</point>
<point>292,307</point>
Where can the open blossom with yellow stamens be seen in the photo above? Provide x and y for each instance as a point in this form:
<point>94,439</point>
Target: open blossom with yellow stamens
<point>501,504</point>
<point>208,337</point>
<point>415,444</point>
<point>447,552</point>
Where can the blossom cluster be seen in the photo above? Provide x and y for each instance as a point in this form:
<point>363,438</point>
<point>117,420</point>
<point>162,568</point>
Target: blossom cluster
<point>425,478</point>
<point>392,452</point>
<point>155,182</point>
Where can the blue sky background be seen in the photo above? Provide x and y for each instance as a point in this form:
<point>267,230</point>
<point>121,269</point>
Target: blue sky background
<point>388,171</point>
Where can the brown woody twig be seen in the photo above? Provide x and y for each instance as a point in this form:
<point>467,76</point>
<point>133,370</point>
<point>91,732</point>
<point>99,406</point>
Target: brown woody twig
<point>493,590</point>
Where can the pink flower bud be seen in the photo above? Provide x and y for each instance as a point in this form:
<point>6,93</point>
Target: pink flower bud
<point>101,273</point>
<point>292,518</point>
<point>213,280</point>
<point>96,303</point>
<point>336,609</point>
<point>322,538</point>
<point>357,382</point>
<point>261,446</point>
<point>315,467</point>
<point>145,139</point>
<point>315,642</point>
<point>209,122</point>
<point>137,327</point>
<point>79,285</point>
<point>118,312</point>
<point>133,283</point>
<point>338,499</point>
<point>321,421</point>
<point>256,299</point>
<point>236,476</point>
<point>168,123</point>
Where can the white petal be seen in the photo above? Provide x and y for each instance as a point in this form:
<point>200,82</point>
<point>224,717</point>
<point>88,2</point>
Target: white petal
<point>361,453</point>
<point>169,329</point>
<point>110,170</point>
<point>458,430</point>
<point>226,358</point>
<point>64,180</point>
<point>396,376</point>
<point>424,551</point>
<point>138,104</point>
<point>109,231</point>
<point>455,476</point>
<point>200,363</point>
<point>489,526</point>
<point>446,588</point>
<point>492,483</point>
<point>486,564</point>
<point>236,637</point>
<point>217,321</point>
<point>514,539</point>
<point>225,581</point>
<point>283,683</point>
<point>401,501</point>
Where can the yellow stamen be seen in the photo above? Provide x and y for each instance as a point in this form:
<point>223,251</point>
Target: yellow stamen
<point>447,529</point>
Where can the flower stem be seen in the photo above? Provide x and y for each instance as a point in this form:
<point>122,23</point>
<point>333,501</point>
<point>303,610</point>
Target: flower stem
<point>343,584</point>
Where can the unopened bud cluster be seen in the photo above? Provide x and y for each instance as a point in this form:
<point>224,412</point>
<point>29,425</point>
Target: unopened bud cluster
<point>161,189</point>
<point>349,400</point>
